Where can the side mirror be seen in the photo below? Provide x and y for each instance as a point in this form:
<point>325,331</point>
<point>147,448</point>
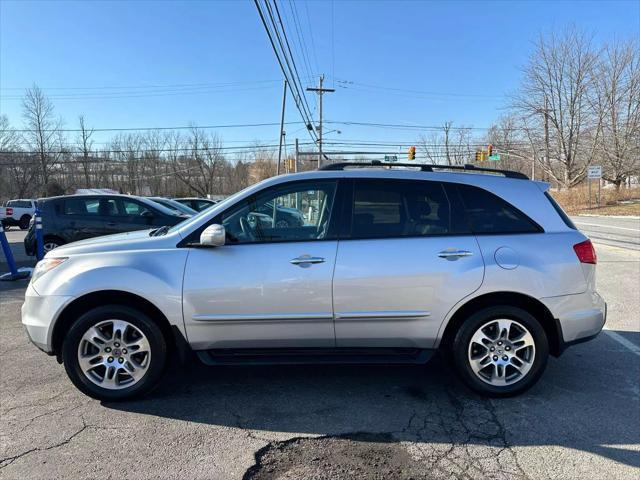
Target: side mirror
<point>213,236</point>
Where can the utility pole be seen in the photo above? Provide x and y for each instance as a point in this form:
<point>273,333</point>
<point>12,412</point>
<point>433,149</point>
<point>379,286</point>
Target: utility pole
<point>284,99</point>
<point>295,165</point>
<point>320,91</point>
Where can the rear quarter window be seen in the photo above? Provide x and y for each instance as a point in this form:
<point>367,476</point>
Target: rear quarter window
<point>565,218</point>
<point>489,214</point>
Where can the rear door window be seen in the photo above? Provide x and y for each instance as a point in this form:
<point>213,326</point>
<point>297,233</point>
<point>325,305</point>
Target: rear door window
<point>81,206</point>
<point>400,208</point>
<point>489,214</point>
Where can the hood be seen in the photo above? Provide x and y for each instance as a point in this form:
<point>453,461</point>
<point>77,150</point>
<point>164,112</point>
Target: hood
<point>137,240</point>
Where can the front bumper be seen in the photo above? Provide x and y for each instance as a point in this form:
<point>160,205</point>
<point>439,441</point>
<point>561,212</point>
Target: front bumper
<point>580,317</point>
<point>39,314</point>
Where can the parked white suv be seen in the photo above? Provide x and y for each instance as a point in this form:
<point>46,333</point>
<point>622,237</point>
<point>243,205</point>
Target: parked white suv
<point>389,265</point>
<point>18,213</point>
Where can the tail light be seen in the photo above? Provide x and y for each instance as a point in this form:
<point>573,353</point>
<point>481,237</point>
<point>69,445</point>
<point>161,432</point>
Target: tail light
<point>8,211</point>
<point>585,252</point>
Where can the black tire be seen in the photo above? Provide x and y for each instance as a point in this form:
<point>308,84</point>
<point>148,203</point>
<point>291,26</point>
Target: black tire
<point>460,349</point>
<point>24,222</point>
<point>151,330</point>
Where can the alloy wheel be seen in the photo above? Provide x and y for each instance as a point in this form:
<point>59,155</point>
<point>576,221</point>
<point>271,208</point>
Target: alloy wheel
<point>114,354</point>
<point>48,246</point>
<point>501,352</point>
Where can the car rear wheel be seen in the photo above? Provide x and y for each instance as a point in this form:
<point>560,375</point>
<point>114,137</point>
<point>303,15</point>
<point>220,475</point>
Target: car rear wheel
<point>114,353</point>
<point>500,351</point>
<point>24,222</point>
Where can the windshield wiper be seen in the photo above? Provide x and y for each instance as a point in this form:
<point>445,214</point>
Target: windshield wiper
<point>158,232</point>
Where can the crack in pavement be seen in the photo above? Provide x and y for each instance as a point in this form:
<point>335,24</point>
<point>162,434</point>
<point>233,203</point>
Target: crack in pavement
<point>476,446</point>
<point>4,462</point>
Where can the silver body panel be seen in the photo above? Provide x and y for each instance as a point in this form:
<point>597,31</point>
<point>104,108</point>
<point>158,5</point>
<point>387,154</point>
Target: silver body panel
<point>244,296</point>
<point>396,292</point>
<point>366,293</point>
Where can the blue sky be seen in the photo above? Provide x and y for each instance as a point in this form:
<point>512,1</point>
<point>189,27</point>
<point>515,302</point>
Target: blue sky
<point>118,62</point>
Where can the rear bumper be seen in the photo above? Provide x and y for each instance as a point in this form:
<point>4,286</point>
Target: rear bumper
<point>39,314</point>
<point>580,317</point>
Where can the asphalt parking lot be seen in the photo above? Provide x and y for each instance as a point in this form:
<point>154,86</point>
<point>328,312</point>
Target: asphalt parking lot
<point>582,420</point>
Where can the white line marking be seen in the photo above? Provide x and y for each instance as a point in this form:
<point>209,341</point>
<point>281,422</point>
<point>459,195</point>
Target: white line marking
<point>623,341</point>
<point>608,226</point>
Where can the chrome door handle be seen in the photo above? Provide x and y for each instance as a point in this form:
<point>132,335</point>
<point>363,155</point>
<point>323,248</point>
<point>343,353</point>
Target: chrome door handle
<point>306,260</point>
<point>453,254</point>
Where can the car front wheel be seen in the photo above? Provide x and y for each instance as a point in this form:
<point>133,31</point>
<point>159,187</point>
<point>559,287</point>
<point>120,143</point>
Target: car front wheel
<point>114,353</point>
<point>500,351</point>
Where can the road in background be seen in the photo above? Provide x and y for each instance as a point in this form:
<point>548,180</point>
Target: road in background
<point>621,232</point>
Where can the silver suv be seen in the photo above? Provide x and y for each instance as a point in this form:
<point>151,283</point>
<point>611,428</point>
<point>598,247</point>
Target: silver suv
<point>388,265</point>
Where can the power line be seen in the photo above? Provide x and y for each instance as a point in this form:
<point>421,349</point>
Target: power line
<point>284,35</point>
<point>158,93</point>
<point>301,40</point>
<point>182,127</point>
<point>407,126</point>
<point>151,150</point>
<point>173,85</point>
<point>351,84</point>
<point>288,72</point>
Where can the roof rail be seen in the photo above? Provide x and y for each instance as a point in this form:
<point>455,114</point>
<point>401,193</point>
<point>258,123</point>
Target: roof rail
<point>426,167</point>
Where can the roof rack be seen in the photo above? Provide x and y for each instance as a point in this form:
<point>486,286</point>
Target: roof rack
<point>426,167</point>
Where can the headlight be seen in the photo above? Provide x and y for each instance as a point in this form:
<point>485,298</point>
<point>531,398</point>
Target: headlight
<point>45,265</point>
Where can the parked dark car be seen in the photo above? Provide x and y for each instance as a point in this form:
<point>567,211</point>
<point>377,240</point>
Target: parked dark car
<point>286,217</point>
<point>174,205</point>
<point>76,217</point>
<point>198,204</point>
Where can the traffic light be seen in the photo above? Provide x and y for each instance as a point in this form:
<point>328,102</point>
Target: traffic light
<point>412,153</point>
<point>489,150</point>
<point>478,155</point>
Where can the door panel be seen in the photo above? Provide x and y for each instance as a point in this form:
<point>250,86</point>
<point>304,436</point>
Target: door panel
<point>270,285</point>
<point>253,296</point>
<point>406,259</point>
<point>396,292</point>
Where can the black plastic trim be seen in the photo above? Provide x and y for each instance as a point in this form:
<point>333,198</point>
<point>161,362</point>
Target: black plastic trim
<point>314,356</point>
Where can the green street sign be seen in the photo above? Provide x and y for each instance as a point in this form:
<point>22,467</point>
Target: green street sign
<point>390,158</point>
<point>494,158</point>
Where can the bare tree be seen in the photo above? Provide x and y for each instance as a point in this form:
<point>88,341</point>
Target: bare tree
<point>555,98</point>
<point>16,168</point>
<point>451,146</point>
<point>197,162</point>
<point>43,135</point>
<point>617,96</point>
<point>508,140</point>
<point>85,145</point>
